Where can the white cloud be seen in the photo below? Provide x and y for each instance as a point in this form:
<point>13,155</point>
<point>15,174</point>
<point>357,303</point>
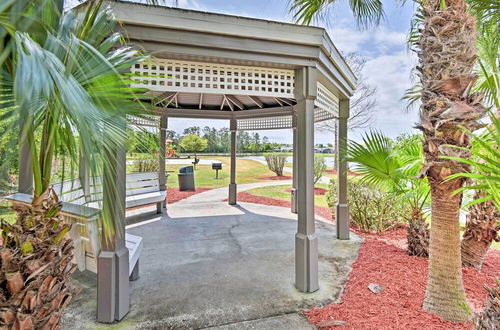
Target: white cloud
<point>380,40</point>
<point>391,75</point>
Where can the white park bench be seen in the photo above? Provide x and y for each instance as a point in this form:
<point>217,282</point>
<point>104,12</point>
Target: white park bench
<point>82,211</point>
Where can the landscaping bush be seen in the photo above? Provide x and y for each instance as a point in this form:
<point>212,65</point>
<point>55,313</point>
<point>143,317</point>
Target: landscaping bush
<point>143,164</point>
<point>276,163</point>
<point>319,168</point>
<point>371,209</point>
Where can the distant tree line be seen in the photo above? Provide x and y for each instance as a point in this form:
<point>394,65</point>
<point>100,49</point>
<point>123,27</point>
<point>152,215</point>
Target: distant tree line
<point>218,140</point>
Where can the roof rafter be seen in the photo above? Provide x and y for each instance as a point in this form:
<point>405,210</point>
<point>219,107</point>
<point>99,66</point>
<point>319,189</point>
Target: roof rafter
<point>235,101</point>
<point>256,100</point>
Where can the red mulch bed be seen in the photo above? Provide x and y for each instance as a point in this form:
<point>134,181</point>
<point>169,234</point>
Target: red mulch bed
<point>249,198</point>
<point>267,178</point>
<point>174,195</point>
<point>382,261</point>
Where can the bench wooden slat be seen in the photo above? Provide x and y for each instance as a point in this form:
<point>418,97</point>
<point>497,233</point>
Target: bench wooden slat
<point>141,191</point>
<point>142,176</point>
<point>142,183</point>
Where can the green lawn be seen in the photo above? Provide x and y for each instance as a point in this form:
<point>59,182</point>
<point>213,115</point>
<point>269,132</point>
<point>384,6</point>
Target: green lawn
<point>247,171</point>
<point>281,192</point>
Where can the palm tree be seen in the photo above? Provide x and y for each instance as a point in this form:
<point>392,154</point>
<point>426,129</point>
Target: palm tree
<point>485,164</point>
<point>447,54</point>
<point>63,84</point>
<point>394,167</point>
<point>482,226</point>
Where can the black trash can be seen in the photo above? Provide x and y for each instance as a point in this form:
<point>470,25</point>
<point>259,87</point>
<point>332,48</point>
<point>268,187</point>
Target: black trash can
<point>186,178</point>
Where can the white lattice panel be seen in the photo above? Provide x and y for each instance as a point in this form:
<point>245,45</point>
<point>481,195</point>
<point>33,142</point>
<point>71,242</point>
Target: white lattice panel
<point>144,121</point>
<point>265,123</point>
<point>184,76</point>
<point>322,115</point>
<point>327,103</point>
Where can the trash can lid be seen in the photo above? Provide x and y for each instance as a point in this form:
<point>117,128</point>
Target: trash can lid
<point>186,169</point>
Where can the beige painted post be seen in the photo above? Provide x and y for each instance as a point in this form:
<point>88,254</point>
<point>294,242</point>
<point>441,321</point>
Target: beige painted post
<point>162,180</point>
<point>342,211</point>
<point>306,240</point>
<point>232,184</point>
<point>295,165</point>
<point>113,260</point>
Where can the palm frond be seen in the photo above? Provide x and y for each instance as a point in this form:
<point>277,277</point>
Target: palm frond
<point>484,160</point>
<point>366,12</point>
<point>373,158</point>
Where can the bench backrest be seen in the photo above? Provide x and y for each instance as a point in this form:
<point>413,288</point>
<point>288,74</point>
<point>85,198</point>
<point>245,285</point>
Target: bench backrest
<point>71,191</point>
<point>142,183</point>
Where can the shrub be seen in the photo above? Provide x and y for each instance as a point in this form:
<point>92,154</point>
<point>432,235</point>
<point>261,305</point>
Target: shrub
<point>146,165</point>
<point>319,168</point>
<point>370,208</point>
<point>276,163</point>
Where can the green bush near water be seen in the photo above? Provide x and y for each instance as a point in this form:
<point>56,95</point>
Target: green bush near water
<point>371,209</point>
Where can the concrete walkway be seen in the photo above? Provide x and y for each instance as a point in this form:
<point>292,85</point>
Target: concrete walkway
<point>208,264</point>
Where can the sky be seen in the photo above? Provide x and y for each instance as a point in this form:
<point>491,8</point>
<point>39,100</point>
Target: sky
<point>388,60</point>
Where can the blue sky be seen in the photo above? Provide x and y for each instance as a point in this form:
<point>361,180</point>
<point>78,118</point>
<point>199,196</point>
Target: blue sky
<point>388,66</point>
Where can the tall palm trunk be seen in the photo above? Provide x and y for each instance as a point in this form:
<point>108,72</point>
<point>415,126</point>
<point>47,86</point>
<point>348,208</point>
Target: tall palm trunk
<point>418,235</point>
<point>445,295</point>
<point>447,55</point>
<point>480,231</point>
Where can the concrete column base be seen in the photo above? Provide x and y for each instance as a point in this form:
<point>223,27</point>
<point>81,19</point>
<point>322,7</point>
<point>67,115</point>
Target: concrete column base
<point>232,194</point>
<point>294,201</point>
<point>342,221</point>
<point>112,285</point>
<point>306,262</point>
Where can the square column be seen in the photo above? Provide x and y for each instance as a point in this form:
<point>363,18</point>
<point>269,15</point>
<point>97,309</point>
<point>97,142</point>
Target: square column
<point>113,262</point>
<point>306,240</point>
<point>342,209</point>
<point>162,180</point>
<point>295,165</point>
<point>232,182</point>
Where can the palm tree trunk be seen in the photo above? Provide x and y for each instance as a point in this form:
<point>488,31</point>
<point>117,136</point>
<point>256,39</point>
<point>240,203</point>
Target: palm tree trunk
<point>445,295</point>
<point>480,231</point>
<point>489,318</point>
<point>447,53</point>
<point>418,235</point>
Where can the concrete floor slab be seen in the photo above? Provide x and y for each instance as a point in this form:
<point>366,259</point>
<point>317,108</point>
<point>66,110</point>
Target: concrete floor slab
<point>208,271</point>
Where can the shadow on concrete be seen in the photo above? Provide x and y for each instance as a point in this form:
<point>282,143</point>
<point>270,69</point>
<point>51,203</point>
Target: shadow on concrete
<point>219,270</point>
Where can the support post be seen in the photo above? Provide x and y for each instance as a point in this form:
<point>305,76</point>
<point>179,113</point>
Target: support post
<point>232,183</point>
<point>162,179</point>
<point>306,240</point>
<point>25,162</point>
<point>295,165</point>
<point>113,260</point>
<point>342,210</point>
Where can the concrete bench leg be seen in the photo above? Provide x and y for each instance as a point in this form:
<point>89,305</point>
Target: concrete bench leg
<point>159,207</point>
<point>135,272</point>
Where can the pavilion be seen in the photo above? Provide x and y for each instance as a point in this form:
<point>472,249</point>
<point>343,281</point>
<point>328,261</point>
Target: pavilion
<point>254,73</point>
